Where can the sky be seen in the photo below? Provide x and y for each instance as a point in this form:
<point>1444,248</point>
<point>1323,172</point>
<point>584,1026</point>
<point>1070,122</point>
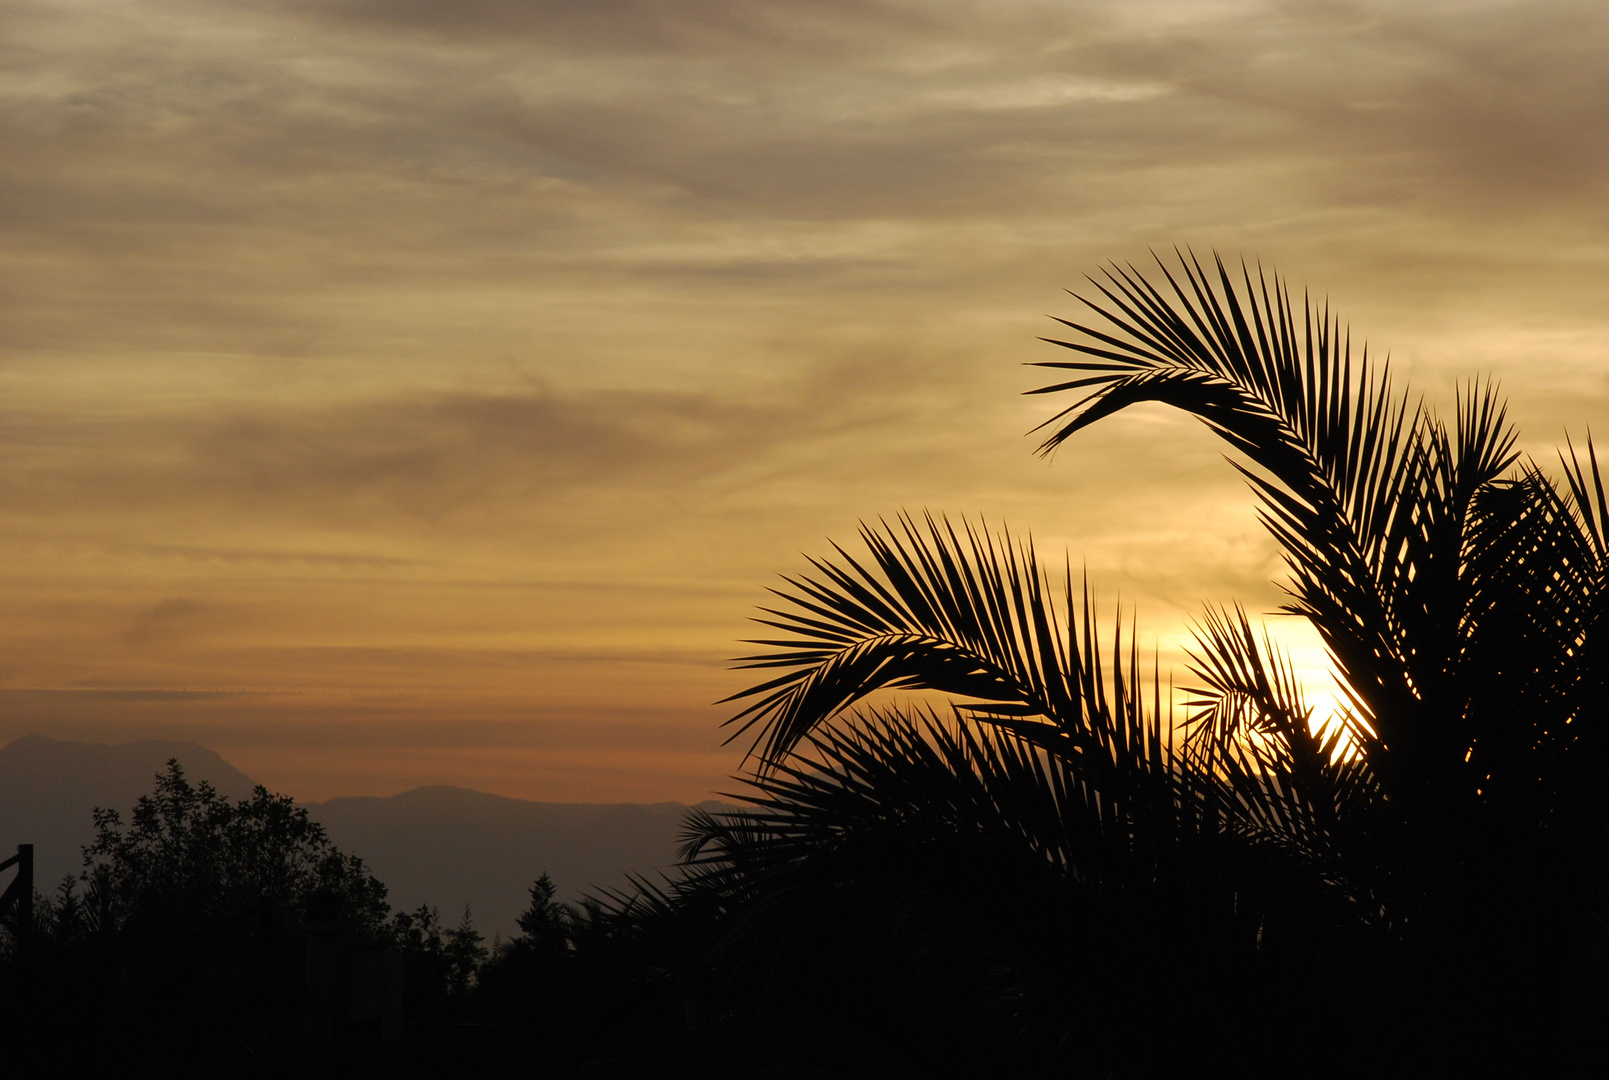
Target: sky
<point>397,392</point>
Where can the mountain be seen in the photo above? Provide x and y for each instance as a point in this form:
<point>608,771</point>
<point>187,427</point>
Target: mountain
<point>446,846</point>
<point>451,846</point>
<point>49,787</point>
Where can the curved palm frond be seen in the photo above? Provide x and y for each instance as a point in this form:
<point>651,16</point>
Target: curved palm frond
<point>971,616</point>
<point>962,613</point>
<point>1585,481</point>
<point>1301,788</point>
<point>1053,750</point>
<point>1535,672</point>
<point>1372,502</point>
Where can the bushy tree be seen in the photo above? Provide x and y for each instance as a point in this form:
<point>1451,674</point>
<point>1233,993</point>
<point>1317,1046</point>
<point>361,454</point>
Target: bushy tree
<point>201,927</point>
<point>189,854</point>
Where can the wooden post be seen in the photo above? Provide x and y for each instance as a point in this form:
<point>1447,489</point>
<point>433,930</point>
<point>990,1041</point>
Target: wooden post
<point>25,891</point>
<point>20,893</point>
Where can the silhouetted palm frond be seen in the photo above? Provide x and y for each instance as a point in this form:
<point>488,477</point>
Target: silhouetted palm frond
<point>1300,786</point>
<point>1369,499</point>
<point>965,614</point>
<point>971,616</point>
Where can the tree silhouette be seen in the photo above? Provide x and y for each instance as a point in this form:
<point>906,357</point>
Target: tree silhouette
<point>189,854</point>
<point>534,973</point>
<point>209,930</point>
<point>465,953</point>
<point>1412,877</point>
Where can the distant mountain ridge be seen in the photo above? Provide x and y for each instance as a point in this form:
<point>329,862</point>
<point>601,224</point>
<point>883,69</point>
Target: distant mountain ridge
<point>446,846</point>
<point>450,846</point>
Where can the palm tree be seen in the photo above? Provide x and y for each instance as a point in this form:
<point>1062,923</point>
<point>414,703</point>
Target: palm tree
<point>1457,589</point>
<point>1446,837</point>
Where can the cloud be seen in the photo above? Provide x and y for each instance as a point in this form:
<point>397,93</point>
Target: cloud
<point>432,458</point>
<point>279,164</point>
<point>633,27</point>
<point>77,696</point>
<point>173,620</point>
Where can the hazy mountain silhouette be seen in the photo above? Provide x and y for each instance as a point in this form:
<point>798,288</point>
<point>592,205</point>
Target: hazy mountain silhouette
<point>48,788</point>
<point>449,846</point>
<point>446,846</point>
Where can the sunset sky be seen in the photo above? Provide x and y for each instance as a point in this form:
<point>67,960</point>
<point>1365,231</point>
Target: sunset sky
<point>426,391</point>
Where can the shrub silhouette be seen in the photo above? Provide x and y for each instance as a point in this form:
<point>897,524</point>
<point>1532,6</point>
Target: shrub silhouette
<point>191,941</point>
<point>188,854</point>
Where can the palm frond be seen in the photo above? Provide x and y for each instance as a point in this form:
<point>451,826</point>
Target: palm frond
<point>1297,786</point>
<point>1587,494</point>
<point>1369,498</point>
<point>961,612</point>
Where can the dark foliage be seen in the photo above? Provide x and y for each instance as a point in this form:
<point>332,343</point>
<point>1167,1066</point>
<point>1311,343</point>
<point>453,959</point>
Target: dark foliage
<point>200,931</point>
<point>189,856</point>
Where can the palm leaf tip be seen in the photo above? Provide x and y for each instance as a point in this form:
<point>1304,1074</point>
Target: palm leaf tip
<point>934,605</point>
